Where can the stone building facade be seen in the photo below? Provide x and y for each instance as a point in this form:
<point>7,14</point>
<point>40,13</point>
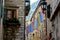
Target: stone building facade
<point>53,27</point>
<point>19,7</point>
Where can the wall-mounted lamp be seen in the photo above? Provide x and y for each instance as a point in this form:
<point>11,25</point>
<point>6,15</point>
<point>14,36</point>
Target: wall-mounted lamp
<point>44,5</point>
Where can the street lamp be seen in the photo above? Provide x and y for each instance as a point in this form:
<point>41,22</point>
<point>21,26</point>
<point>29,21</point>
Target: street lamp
<point>27,7</point>
<point>44,5</point>
<point>44,8</point>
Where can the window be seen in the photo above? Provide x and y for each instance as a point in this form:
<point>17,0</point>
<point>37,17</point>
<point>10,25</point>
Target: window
<point>13,13</point>
<point>53,26</point>
<point>10,13</point>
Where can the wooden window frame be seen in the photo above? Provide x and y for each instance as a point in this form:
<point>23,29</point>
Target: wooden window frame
<point>15,13</point>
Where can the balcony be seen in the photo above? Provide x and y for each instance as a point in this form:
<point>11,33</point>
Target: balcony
<point>12,21</point>
<point>10,26</point>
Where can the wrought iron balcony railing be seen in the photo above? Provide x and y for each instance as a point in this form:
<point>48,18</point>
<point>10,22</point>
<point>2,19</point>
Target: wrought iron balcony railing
<point>12,21</point>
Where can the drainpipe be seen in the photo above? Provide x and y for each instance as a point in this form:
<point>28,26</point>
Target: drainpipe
<point>2,11</point>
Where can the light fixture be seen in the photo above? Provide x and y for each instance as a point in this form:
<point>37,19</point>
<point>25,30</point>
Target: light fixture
<point>27,3</point>
<point>44,5</point>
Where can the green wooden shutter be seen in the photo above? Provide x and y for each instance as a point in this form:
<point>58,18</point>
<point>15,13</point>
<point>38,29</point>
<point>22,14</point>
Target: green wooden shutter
<point>4,16</point>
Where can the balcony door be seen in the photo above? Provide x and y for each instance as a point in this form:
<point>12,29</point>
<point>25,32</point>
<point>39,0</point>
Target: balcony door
<point>9,32</point>
<point>10,13</point>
